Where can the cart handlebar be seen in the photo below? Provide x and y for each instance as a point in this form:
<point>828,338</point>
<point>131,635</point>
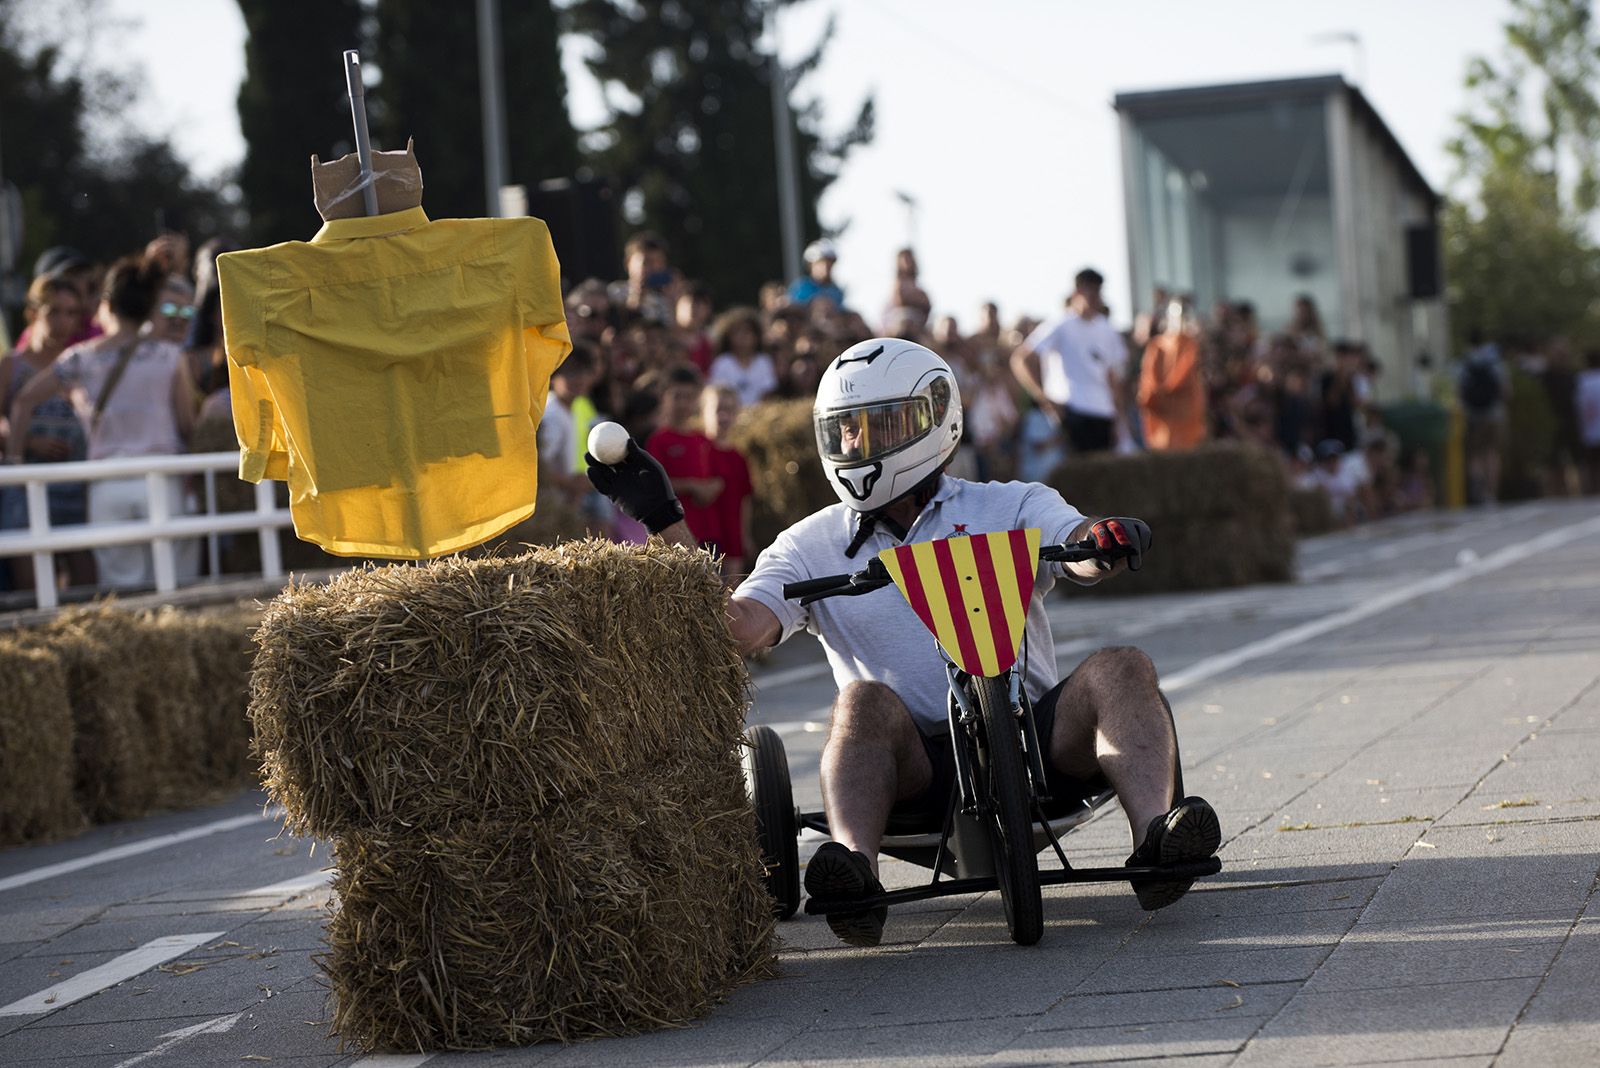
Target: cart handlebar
<point>875,576</point>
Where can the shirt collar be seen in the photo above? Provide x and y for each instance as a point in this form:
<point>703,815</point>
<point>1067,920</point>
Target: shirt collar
<point>947,488</point>
<point>395,222</point>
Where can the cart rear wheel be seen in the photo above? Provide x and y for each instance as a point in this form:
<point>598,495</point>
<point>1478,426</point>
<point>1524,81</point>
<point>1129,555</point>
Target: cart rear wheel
<point>766,772</point>
<point>1003,774</point>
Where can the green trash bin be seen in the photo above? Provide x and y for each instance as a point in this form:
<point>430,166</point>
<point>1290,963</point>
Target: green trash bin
<point>1422,425</point>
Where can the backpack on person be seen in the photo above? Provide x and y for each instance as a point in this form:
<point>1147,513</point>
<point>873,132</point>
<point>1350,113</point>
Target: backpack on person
<point>1480,386</point>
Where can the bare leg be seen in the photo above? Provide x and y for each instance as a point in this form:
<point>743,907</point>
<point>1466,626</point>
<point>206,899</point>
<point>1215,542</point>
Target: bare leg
<point>1110,719</point>
<point>873,758</point>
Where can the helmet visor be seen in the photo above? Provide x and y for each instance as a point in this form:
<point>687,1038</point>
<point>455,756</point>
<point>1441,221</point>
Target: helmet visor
<point>871,431</point>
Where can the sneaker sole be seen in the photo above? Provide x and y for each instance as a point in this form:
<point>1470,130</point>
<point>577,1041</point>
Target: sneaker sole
<point>1195,835</point>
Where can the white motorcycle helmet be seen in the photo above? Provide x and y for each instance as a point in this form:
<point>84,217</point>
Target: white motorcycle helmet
<point>888,415</point>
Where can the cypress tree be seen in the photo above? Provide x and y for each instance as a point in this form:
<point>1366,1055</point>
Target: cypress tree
<point>292,104</point>
<point>427,54</point>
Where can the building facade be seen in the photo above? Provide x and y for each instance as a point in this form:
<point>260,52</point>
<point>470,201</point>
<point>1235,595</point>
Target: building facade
<point>1264,191</point>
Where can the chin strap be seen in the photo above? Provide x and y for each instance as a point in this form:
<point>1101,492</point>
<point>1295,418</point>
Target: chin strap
<point>922,493</point>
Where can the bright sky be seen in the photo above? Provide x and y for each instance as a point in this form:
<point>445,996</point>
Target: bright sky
<point>999,123</point>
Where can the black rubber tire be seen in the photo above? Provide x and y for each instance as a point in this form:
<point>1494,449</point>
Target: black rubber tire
<point>766,773</point>
<point>1003,774</point>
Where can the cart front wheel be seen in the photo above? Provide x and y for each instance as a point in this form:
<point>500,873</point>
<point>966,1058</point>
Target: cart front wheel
<point>766,773</point>
<point>1002,774</point>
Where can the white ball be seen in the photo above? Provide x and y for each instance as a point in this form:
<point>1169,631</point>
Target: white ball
<point>608,442</point>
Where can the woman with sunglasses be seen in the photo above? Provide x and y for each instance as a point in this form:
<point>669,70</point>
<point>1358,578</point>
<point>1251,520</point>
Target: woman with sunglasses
<point>174,310</point>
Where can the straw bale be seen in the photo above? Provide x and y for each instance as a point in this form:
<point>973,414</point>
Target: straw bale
<point>219,647</point>
<point>464,689</point>
<point>113,754</point>
<point>779,444</point>
<point>625,911</point>
<point>36,735</point>
<point>1218,480</point>
<point>1311,511</point>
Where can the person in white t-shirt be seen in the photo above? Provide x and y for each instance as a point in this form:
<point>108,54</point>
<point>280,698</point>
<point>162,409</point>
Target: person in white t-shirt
<point>888,419</point>
<point>559,447</point>
<point>750,372</point>
<point>1073,366</point>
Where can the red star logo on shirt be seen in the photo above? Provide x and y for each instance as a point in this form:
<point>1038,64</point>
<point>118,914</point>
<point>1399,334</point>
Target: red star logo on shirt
<point>959,531</point>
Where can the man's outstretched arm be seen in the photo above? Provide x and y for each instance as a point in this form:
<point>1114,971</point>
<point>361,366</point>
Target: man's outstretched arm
<point>751,623</point>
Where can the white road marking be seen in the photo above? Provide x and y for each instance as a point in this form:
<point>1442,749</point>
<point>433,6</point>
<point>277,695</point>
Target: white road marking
<point>132,963</point>
<point>290,887</point>
<point>393,1060</point>
<point>1215,665</point>
<point>133,849</point>
<point>221,1025</point>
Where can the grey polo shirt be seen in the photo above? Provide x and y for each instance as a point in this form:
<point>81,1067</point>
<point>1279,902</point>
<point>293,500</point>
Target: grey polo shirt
<point>877,637</point>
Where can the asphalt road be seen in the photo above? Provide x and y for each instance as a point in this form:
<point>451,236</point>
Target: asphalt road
<point>1401,744</point>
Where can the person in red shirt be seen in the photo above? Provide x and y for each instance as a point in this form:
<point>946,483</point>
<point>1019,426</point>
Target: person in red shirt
<point>685,453</point>
<point>719,408</point>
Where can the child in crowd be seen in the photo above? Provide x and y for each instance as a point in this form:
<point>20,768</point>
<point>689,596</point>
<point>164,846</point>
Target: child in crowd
<point>686,454</point>
<point>737,336</point>
<point>719,409</point>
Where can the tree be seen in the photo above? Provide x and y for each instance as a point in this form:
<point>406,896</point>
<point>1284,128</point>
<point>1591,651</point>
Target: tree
<point>427,53</point>
<point>104,196</point>
<point>1520,255</point>
<point>690,138</point>
<point>292,104</point>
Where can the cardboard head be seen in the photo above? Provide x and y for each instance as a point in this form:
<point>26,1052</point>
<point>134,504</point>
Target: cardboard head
<point>336,185</point>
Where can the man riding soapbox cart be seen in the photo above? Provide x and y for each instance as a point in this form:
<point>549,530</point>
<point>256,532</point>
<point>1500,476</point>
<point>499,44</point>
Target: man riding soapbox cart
<point>1000,816</point>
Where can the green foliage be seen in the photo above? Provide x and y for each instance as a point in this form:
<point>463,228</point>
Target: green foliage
<point>292,104</point>
<point>427,52</point>
<point>691,133</point>
<point>106,196</point>
<point>1520,268</point>
<point>1521,264</point>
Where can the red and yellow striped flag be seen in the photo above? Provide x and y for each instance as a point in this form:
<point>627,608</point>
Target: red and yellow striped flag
<point>972,593</point>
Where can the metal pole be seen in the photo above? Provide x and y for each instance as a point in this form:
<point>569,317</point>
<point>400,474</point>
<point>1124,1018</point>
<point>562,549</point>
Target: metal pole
<point>490,89</point>
<point>358,114</point>
<point>788,177</point>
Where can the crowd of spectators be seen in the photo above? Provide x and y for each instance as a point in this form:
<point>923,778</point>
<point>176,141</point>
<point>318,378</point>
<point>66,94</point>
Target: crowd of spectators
<point>127,360</point>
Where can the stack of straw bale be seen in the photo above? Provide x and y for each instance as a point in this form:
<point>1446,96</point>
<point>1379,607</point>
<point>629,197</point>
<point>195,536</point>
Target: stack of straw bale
<point>1219,514</point>
<point>780,445</point>
<point>530,770</point>
<point>142,710</point>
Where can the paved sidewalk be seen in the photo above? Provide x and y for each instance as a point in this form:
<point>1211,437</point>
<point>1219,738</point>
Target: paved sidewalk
<point>1411,811</point>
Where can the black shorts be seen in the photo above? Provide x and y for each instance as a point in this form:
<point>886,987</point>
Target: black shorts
<point>1088,433</point>
<point>926,811</point>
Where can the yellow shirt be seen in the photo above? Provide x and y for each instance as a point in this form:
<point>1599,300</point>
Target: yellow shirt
<point>393,370</point>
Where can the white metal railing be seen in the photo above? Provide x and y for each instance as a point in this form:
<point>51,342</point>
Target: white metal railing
<point>41,540</point>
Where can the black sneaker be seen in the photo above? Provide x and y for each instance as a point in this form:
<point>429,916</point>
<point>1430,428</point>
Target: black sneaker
<point>1188,832</point>
<point>839,874</point>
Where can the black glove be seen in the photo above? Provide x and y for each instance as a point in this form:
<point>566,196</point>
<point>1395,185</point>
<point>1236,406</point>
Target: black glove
<point>1122,538</point>
<point>640,487</point>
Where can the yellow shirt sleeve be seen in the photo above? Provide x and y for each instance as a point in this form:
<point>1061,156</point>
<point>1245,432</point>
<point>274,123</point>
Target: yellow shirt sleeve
<point>263,448</point>
<point>544,317</point>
